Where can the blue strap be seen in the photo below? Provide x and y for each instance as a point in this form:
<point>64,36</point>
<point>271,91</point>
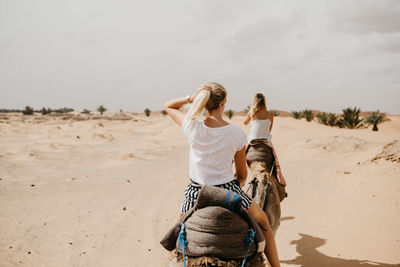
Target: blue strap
<point>249,241</point>
<point>236,201</point>
<point>228,197</point>
<point>183,242</point>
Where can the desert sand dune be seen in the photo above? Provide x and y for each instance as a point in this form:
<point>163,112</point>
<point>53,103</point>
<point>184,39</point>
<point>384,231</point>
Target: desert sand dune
<point>103,191</point>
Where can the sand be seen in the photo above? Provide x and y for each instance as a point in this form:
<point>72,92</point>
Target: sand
<point>103,191</point>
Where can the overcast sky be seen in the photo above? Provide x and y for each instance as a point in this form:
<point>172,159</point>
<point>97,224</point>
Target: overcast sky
<point>133,55</point>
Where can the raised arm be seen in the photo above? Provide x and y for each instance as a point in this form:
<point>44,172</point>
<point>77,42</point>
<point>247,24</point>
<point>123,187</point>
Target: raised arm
<point>173,106</point>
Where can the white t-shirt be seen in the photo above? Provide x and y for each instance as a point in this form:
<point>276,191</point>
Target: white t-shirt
<point>212,151</point>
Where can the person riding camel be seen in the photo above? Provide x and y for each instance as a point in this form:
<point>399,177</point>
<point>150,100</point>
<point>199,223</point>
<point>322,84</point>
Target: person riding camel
<point>214,143</point>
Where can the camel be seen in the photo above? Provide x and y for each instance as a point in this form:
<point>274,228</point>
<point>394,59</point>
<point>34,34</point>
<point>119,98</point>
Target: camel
<point>263,185</point>
<point>265,189</point>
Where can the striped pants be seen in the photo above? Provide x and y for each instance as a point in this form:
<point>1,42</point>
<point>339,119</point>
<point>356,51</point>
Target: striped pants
<point>192,192</point>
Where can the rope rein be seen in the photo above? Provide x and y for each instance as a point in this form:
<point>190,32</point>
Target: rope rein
<point>183,242</point>
<point>249,241</point>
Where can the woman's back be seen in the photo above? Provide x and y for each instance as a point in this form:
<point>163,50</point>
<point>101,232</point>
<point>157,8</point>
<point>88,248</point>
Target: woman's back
<point>212,150</point>
<point>260,126</point>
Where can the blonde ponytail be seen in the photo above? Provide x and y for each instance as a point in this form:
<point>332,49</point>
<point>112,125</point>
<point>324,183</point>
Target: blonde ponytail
<point>258,103</point>
<point>198,106</point>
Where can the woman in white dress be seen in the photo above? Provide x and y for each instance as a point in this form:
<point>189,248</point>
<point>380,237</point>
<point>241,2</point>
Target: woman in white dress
<point>260,119</point>
<point>214,143</point>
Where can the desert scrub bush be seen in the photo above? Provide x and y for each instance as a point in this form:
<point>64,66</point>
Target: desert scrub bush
<point>63,110</point>
<point>308,115</point>
<point>297,115</point>
<point>101,109</point>
<point>275,112</point>
<point>350,118</point>
<point>327,118</point>
<point>85,111</point>
<point>28,111</point>
<point>164,112</point>
<point>147,112</point>
<point>229,113</point>
<point>45,111</point>
<point>246,109</point>
<point>376,118</point>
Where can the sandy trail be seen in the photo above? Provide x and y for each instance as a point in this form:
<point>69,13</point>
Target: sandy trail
<point>103,192</point>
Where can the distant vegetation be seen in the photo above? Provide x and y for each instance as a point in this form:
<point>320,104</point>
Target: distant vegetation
<point>164,112</point>
<point>246,109</point>
<point>229,113</point>
<point>275,112</point>
<point>45,111</point>
<point>350,118</point>
<point>85,111</point>
<point>101,109</point>
<point>297,115</point>
<point>147,112</point>
<point>376,118</point>
<point>308,115</point>
<point>329,119</point>
<point>63,110</point>
<point>28,111</point>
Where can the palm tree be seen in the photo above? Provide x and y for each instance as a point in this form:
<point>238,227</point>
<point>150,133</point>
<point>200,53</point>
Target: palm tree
<point>101,109</point>
<point>229,113</point>
<point>147,112</point>
<point>332,119</point>
<point>308,114</point>
<point>350,118</point>
<point>327,118</point>
<point>376,118</point>
<point>297,115</point>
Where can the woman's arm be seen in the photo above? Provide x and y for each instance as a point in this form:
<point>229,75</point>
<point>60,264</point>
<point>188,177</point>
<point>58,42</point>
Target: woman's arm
<point>271,118</point>
<point>247,119</point>
<point>172,107</point>
<point>241,166</point>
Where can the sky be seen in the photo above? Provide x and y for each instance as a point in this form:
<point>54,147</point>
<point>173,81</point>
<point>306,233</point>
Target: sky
<point>132,55</point>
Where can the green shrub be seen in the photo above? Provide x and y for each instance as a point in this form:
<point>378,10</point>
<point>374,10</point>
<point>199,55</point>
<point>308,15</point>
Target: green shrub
<point>45,111</point>
<point>308,114</point>
<point>376,118</point>
<point>297,115</point>
<point>85,111</point>
<point>229,113</point>
<point>327,118</point>
<point>101,109</point>
<point>350,118</point>
<point>147,112</point>
<point>28,111</point>
<point>164,112</point>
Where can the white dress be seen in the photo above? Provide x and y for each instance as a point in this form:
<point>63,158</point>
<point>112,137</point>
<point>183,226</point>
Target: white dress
<point>260,129</point>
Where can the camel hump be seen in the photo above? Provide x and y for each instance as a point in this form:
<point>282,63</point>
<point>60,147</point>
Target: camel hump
<point>217,231</point>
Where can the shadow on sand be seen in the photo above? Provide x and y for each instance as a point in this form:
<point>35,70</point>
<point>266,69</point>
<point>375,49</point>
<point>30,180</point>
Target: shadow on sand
<point>307,246</point>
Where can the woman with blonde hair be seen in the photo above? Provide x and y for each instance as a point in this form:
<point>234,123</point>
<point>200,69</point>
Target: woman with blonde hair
<point>214,143</point>
<point>260,119</point>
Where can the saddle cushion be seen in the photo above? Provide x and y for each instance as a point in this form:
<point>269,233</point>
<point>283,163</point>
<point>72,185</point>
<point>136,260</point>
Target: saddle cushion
<point>216,231</point>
